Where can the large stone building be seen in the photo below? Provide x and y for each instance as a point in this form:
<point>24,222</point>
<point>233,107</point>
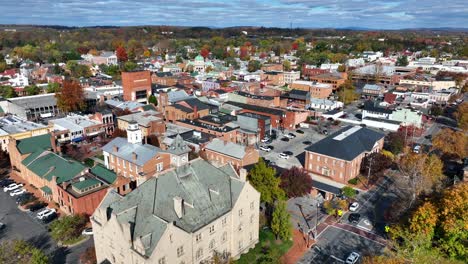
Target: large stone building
<point>185,215</point>
<point>136,86</point>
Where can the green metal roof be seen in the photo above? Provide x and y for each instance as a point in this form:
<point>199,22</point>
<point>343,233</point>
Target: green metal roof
<point>51,164</point>
<point>105,174</point>
<point>46,190</point>
<point>148,107</point>
<point>85,184</point>
<point>32,144</point>
<point>1,110</point>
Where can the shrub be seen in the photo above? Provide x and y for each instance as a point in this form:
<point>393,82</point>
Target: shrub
<point>348,192</point>
<point>353,181</point>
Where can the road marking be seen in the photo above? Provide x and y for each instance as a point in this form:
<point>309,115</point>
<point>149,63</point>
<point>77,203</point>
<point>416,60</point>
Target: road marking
<point>358,235</point>
<point>336,258</point>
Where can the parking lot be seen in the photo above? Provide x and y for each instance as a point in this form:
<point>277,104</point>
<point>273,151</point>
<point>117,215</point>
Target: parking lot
<point>295,145</point>
<point>336,244</point>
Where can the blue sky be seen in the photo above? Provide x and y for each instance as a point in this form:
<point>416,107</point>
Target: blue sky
<point>378,14</point>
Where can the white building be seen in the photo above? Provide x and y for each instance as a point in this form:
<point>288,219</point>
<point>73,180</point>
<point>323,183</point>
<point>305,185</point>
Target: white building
<point>290,77</point>
<point>325,104</point>
<point>75,128</point>
<point>18,80</point>
<point>355,62</point>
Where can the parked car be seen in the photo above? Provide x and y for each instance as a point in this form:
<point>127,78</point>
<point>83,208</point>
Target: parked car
<point>271,147</point>
<point>26,199</point>
<point>307,142</point>
<point>354,218</point>
<point>87,232</point>
<point>352,258</point>
<point>49,217</point>
<point>299,131</point>
<point>6,182</point>
<point>265,139</point>
<point>2,225</point>
<point>265,148</point>
<point>285,139</point>
<point>284,155</point>
<point>417,149</point>
<point>288,153</point>
<point>290,135</point>
<point>353,207</point>
<point>12,187</point>
<point>17,192</point>
<point>36,206</point>
<point>45,212</point>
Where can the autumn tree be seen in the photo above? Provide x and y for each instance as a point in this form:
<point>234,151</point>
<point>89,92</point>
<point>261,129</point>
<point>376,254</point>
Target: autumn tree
<point>451,142</point>
<point>462,116</point>
<point>204,52</point>
<point>395,142</point>
<point>286,65</point>
<point>264,180</point>
<point>419,173</point>
<point>280,223</point>
<point>296,182</point>
<point>347,92</point>
<point>374,165</point>
<point>119,133</point>
<point>121,54</point>
<point>71,97</point>
<point>254,65</point>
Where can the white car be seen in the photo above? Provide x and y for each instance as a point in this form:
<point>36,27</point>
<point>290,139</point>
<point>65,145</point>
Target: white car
<point>352,258</point>
<point>417,149</point>
<point>265,139</point>
<point>12,187</point>
<point>46,212</point>
<point>87,232</point>
<point>18,192</point>
<point>265,148</point>
<point>284,156</point>
<point>354,206</point>
<point>290,135</point>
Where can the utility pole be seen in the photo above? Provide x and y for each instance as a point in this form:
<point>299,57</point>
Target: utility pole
<point>369,171</point>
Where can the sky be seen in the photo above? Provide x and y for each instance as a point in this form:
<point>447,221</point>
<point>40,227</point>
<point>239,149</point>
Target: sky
<point>376,14</point>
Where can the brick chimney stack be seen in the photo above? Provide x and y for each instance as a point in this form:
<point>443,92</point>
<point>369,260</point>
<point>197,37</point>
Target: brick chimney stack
<point>134,156</point>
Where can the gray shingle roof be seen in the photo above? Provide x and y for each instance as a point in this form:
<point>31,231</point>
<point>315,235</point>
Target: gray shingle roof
<point>125,149</point>
<point>227,148</point>
<point>207,191</point>
<point>347,143</point>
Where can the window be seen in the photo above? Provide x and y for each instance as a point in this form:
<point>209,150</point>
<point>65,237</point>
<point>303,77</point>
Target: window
<point>159,167</point>
<point>212,229</point>
<point>124,163</point>
<point>341,164</point>
<point>198,238</point>
<point>318,158</point>
<point>212,244</point>
<point>240,227</point>
<point>251,219</point>
<point>240,212</point>
<point>162,260</point>
<point>199,253</point>
<point>180,251</point>
<point>224,221</point>
<point>252,205</point>
<point>129,166</point>
<point>326,160</point>
<point>311,156</point>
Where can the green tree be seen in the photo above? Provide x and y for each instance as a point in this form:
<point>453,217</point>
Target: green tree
<point>19,251</point>
<point>348,192</point>
<point>254,65</point>
<point>53,88</point>
<point>153,100</point>
<point>7,92</point>
<point>286,65</point>
<point>402,61</point>
<point>130,66</point>
<point>347,92</point>
<point>395,142</point>
<point>32,90</point>
<point>280,223</point>
<point>67,228</point>
<point>263,179</point>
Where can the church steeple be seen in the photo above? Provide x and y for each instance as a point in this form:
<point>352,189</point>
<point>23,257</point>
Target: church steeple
<point>134,134</point>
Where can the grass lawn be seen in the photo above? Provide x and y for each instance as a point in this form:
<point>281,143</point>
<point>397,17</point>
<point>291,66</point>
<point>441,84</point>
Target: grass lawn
<point>267,239</point>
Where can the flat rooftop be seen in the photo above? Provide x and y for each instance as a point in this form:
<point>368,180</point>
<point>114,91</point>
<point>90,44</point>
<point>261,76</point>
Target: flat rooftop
<point>12,124</point>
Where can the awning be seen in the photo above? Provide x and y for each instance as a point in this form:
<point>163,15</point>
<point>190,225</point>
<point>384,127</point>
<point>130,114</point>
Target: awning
<point>46,190</point>
<point>325,187</point>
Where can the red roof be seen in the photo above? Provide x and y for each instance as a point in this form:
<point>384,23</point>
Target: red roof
<point>9,72</point>
<point>390,98</point>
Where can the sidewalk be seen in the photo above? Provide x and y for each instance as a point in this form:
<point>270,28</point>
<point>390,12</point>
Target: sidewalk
<point>298,248</point>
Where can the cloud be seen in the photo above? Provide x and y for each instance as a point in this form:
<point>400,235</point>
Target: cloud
<point>384,14</point>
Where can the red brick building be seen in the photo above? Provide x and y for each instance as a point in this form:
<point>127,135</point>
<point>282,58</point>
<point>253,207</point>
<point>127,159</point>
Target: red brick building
<point>136,86</point>
<point>219,153</point>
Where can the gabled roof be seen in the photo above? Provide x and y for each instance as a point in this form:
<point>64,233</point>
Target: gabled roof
<point>125,150</point>
<point>207,193</point>
<point>371,107</point>
<point>347,143</point>
<point>48,164</point>
<point>32,144</point>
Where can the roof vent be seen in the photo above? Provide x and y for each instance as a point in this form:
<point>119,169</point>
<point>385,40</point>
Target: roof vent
<point>82,179</point>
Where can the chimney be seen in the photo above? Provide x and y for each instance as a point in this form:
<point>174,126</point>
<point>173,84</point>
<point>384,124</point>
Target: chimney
<point>179,206</point>
<point>134,156</point>
<point>115,148</point>
<point>195,112</point>
<point>53,143</point>
<point>243,174</point>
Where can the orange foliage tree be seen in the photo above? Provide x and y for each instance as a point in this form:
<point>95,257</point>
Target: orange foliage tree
<point>71,97</point>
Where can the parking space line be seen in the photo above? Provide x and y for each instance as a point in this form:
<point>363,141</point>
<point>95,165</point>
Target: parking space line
<point>337,258</point>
